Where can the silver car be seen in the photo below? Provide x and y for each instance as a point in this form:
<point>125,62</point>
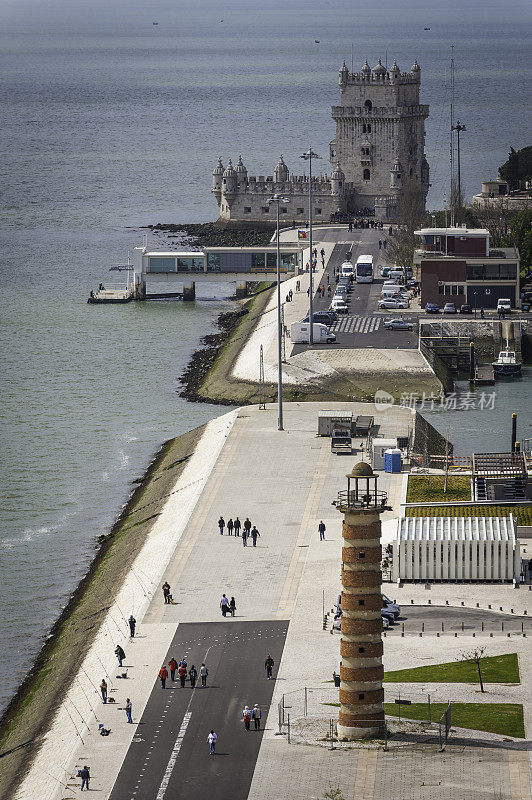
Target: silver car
<point>398,324</point>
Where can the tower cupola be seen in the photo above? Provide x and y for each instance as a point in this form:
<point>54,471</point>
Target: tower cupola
<point>366,69</point>
<point>229,180</point>
<point>416,70</point>
<point>281,171</point>
<point>217,175</point>
<point>241,172</point>
<point>379,72</point>
<point>337,181</point>
<point>343,75</point>
<point>396,172</point>
<point>394,72</point>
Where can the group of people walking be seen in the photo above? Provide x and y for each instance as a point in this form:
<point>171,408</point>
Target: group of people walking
<point>252,714</point>
<point>183,673</point>
<point>234,526</point>
<point>227,605</point>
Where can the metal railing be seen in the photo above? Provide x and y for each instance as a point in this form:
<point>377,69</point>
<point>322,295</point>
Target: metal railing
<point>373,499</point>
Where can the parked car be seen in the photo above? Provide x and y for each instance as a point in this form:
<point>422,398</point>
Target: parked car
<point>385,271</point>
<point>385,622</point>
<point>392,606</point>
<point>325,317</point>
<point>449,308</point>
<point>393,302</point>
<point>386,614</point>
<point>466,309</point>
<point>398,324</point>
<point>339,305</point>
<point>432,308</point>
<point>341,290</point>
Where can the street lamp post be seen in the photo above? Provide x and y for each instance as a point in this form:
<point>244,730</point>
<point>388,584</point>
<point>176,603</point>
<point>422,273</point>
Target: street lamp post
<point>475,296</point>
<point>308,156</point>
<point>277,199</point>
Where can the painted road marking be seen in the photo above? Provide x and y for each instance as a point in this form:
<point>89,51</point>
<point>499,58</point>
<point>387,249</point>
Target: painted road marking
<point>173,757</point>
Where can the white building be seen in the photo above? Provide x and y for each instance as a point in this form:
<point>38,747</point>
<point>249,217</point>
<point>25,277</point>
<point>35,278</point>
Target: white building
<point>448,549</point>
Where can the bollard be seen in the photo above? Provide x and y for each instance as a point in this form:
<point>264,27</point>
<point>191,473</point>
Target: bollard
<point>462,603</point>
<point>502,626</point>
<point>524,612</point>
<point>412,602</point>
<point>489,605</point>
<point>420,633</point>
<point>385,738</point>
<point>462,625</point>
<point>500,608</point>
<point>288,727</point>
<point>482,626</point>
<point>473,633</point>
<point>455,634</point>
<point>422,626</point>
<point>491,636</point>
<point>437,633</point>
<point>511,611</point>
<point>384,634</point>
<point>446,602</point>
<point>442,627</point>
<point>524,634</point>
<point>429,601</point>
<point>478,605</point>
<point>522,627</point>
<point>509,634</point>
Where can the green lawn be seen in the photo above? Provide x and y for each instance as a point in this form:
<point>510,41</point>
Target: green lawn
<point>521,514</point>
<point>505,719</point>
<point>428,488</point>
<point>495,669</point>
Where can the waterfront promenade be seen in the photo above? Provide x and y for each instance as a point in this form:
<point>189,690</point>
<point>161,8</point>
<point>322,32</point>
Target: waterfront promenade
<point>285,481</point>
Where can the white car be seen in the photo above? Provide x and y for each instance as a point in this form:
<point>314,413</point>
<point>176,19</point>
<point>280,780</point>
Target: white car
<point>398,324</point>
<point>339,305</point>
<point>393,302</point>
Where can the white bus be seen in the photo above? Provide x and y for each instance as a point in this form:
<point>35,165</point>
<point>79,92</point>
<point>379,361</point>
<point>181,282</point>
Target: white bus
<point>364,269</point>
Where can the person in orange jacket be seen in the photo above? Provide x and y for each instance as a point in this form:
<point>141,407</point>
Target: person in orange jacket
<point>163,674</point>
<point>173,666</point>
<point>182,675</point>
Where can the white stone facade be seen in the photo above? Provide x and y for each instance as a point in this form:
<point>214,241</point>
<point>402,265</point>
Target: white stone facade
<point>379,146</point>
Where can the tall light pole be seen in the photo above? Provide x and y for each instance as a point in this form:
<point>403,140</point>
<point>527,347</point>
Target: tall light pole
<point>308,156</point>
<point>277,198</point>
<point>459,128</point>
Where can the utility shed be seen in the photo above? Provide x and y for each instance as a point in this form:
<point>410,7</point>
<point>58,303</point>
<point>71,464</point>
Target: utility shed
<point>448,549</point>
<point>328,420</point>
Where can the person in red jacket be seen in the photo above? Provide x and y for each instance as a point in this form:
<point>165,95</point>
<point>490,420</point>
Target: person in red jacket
<point>173,666</point>
<point>182,675</point>
<point>163,674</point>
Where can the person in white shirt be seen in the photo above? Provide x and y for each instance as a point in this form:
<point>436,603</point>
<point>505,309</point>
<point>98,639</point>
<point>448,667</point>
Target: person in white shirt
<point>212,738</point>
<point>224,605</point>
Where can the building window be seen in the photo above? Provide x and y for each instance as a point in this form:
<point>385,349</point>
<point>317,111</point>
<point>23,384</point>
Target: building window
<point>300,210</point>
<point>258,260</point>
<point>265,209</point>
<point>157,264</point>
<point>362,555</point>
<point>361,696</point>
<point>247,209</point>
<point>364,127</point>
<point>317,211</point>
<point>368,126</point>
<point>368,105</point>
<point>213,262</point>
<point>361,649</point>
<point>361,602</point>
<point>284,211</point>
<point>441,289</point>
<point>190,264</point>
<point>271,259</point>
<point>367,175</point>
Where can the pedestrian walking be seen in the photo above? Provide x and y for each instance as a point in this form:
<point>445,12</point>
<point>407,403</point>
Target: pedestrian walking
<point>173,666</point>
<point>193,675</point>
<point>203,674</point>
<point>308,291</point>
<point>212,739</point>
<point>166,591</point>
<point>230,526</point>
<point>256,715</point>
<point>247,525</point>
<point>236,526</point>
<point>232,606</point>
<point>221,525</point>
<point>132,624</point>
<point>246,716</point>
<point>328,290</point>
<point>119,653</point>
<point>254,535</point>
<point>245,537</point>
<point>163,674</point>
<point>321,528</point>
<point>182,675</point>
<point>384,244</point>
<point>129,708</point>
<point>224,604</point>
<point>85,776</point>
<point>328,279</point>
<point>291,293</point>
<point>268,664</point>
<point>322,253</point>
<point>380,244</point>
<point>103,690</point>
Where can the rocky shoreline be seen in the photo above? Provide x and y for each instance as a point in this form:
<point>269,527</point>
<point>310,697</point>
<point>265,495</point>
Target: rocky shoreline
<point>219,234</point>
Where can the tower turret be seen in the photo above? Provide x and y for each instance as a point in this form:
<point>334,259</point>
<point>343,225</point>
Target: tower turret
<point>229,182</point>
<point>337,181</point>
<point>366,70</point>
<point>217,177</point>
<point>281,171</point>
<point>379,72</point>
<point>416,71</point>
<point>394,72</point>
<point>241,172</point>
<point>343,75</point>
<point>396,176</point>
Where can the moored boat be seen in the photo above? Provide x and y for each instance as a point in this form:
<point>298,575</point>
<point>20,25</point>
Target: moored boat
<point>506,365</point>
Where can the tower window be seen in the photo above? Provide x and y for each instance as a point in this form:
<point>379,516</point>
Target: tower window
<point>360,696</point>
<point>361,602</point>
<point>265,209</point>
<point>368,126</point>
<point>361,649</point>
<point>300,211</point>
<point>367,175</point>
<point>368,105</point>
<point>317,210</point>
<point>364,128</point>
<point>284,210</point>
<point>362,555</point>
<point>247,209</point>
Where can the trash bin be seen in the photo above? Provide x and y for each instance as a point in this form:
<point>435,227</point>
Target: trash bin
<point>526,306</point>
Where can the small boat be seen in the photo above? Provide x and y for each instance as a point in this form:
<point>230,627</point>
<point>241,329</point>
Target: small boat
<point>155,23</point>
<point>426,29</point>
<point>507,364</point>
<point>316,41</point>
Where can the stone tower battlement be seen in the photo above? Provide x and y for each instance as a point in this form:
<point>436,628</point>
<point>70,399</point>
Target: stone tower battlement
<point>379,146</point>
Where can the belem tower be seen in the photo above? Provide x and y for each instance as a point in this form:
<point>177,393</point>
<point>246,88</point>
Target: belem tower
<point>379,147</point>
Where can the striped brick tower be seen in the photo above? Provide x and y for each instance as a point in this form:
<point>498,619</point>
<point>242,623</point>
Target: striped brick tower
<point>361,671</point>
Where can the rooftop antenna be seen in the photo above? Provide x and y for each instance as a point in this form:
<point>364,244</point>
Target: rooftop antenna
<point>386,60</point>
<point>352,57</point>
<point>453,198</point>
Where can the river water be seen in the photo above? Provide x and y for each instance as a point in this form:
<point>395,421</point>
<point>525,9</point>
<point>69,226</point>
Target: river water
<point>110,123</point>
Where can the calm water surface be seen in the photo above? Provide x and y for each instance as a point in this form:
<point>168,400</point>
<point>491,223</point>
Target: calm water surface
<point>110,123</point>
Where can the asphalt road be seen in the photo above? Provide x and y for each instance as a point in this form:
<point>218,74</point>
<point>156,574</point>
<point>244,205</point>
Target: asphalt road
<point>362,326</point>
<point>169,756</point>
<point>432,617</point>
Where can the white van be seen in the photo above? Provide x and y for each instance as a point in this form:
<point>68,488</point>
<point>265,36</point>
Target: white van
<point>504,304</point>
<point>300,333</point>
<point>347,270</point>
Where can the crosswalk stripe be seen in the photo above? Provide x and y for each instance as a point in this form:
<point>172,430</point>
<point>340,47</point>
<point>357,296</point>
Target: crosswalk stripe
<point>356,324</point>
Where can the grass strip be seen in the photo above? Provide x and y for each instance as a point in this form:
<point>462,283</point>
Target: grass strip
<point>427,488</point>
<point>505,719</point>
<point>521,514</point>
<point>495,669</point>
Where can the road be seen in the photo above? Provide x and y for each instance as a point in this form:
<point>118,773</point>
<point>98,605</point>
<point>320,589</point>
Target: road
<point>433,617</point>
<point>169,755</point>
<point>362,326</point>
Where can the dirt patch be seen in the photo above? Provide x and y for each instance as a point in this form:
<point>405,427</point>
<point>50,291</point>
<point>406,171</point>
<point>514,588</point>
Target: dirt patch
<point>31,710</point>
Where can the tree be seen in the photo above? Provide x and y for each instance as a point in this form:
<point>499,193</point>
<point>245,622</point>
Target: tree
<point>410,214</point>
<point>496,217</point>
<point>518,168</point>
<point>475,657</point>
